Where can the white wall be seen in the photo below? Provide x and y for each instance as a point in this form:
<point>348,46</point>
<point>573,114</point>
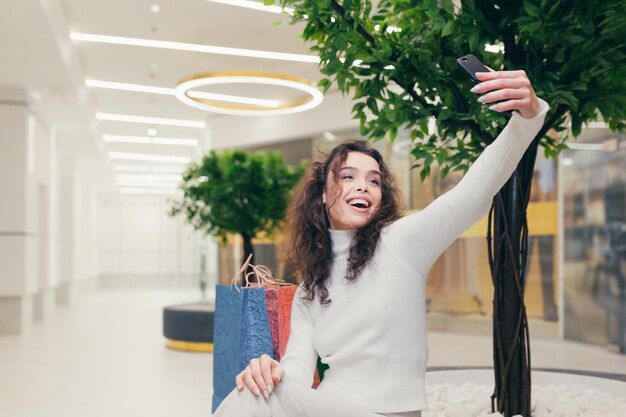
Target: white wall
<point>140,244</point>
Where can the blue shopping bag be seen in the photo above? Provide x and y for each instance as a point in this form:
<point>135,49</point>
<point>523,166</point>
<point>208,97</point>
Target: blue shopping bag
<point>255,338</point>
<point>226,334</point>
<point>241,333</point>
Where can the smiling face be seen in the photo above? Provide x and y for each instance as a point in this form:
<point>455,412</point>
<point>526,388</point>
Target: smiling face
<point>353,194</point>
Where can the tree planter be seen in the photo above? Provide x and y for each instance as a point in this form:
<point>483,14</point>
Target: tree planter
<point>465,393</point>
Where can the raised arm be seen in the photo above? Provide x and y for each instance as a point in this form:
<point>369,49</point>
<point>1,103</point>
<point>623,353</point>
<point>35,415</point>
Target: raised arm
<point>420,238</point>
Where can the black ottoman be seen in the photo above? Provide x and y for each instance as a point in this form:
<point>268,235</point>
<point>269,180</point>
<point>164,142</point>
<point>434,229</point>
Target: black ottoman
<point>189,326</point>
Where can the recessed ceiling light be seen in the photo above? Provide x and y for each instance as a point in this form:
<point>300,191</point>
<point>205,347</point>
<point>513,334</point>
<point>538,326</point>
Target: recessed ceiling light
<point>150,120</point>
<point>255,6</point>
<point>155,8</point>
<point>152,132</point>
<point>192,47</point>
<point>149,157</point>
<point>329,136</point>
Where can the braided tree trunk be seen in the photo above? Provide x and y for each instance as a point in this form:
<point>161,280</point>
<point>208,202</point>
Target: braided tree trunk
<point>507,259</point>
<point>248,249</point>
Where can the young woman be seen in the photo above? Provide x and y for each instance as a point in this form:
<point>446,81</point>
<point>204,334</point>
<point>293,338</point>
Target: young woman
<point>361,306</point>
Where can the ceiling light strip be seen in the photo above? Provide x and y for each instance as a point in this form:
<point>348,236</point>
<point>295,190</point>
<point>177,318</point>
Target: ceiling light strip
<point>255,6</point>
<point>233,99</point>
<point>147,184</point>
<point>149,157</point>
<point>171,92</point>
<point>146,139</point>
<point>150,120</point>
<point>174,141</point>
<point>144,190</point>
<point>192,47</point>
<point>129,87</point>
<point>131,168</point>
<point>164,169</point>
<point>586,146</point>
<point>125,139</point>
<point>149,177</point>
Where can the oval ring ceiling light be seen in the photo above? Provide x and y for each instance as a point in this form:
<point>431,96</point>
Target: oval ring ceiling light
<point>198,99</point>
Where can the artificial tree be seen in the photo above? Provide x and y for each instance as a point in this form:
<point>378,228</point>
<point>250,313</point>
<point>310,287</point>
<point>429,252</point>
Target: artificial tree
<point>397,60</point>
<point>237,192</point>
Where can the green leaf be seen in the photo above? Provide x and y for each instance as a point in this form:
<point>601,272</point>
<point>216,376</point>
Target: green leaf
<point>560,55</point>
<point>531,9</point>
<point>325,84</point>
<point>447,29</point>
<point>576,39</point>
<point>448,6</point>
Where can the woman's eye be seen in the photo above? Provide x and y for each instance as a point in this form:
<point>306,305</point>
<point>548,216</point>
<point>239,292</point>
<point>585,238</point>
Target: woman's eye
<point>375,182</point>
<point>346,177</point>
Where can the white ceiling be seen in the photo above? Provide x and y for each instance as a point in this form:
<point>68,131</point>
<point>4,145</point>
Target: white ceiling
<point>40,58</point>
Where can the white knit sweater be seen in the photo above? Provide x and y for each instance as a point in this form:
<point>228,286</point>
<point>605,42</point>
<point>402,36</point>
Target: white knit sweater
<point>373,334</point>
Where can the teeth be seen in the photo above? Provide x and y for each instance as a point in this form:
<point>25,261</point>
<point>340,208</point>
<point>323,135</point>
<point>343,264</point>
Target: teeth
<point>359,201</point>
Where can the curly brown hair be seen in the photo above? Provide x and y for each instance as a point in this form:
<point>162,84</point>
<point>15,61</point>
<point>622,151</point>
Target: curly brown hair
<point>308,246</point>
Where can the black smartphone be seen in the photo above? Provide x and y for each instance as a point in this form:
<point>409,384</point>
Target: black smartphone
<point>472,65</point>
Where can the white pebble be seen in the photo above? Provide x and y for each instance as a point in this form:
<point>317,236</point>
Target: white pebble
<point>471,400</point>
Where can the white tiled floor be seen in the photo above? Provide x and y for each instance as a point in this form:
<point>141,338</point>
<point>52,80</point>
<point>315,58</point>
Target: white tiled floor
<point>105,356</point>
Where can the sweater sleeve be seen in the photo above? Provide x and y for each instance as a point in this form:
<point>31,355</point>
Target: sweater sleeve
<point>420,238</point>
<point>300,356</point>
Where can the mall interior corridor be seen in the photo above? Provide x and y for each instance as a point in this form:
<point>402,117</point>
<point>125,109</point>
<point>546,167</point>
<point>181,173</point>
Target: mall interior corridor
<point>148,148</point>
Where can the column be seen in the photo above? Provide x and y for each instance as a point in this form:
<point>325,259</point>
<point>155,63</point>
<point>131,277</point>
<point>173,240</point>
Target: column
<point>19,212</point>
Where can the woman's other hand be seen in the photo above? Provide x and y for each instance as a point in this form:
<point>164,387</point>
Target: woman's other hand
<point>512,89</point>
<point>260,376</point>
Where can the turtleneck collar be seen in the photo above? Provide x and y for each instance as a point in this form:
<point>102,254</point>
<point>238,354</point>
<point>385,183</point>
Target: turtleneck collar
<point>341,240</point>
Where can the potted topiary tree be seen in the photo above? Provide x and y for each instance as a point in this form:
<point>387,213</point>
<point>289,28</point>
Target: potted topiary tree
<point>237,192</point>
<point>397,61</point>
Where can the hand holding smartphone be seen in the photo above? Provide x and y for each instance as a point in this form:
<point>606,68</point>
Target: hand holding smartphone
<point>502,90</point>
<point>472,65</point>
